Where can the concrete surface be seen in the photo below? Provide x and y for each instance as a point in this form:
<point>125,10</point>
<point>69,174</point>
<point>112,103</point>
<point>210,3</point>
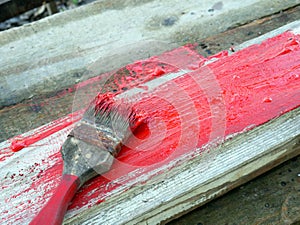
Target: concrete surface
<point>55,52</point>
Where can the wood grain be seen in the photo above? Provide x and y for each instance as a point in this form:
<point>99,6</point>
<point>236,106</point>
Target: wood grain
<point>152,196</point>
<point>197,181</point>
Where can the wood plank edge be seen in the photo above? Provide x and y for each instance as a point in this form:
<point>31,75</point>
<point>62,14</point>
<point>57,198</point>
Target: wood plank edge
<point>233,178</point>
<point>293,27</point>
<point>279,155</point>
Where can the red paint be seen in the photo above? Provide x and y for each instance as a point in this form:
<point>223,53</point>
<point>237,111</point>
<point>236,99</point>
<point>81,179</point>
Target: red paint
<point>52,176</point>
<point>267,99</point>
<point>140,72</point>
<point>54,211</point>
<point>219,55</point>
<point>256,85</point>
<point>5,153</point>
<point>20,142</point>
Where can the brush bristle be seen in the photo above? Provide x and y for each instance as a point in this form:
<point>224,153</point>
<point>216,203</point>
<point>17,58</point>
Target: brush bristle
<point>98,137</point>
<point>119,117</point>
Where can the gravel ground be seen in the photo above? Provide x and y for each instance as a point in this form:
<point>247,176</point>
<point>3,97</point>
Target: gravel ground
<point>41,12</point>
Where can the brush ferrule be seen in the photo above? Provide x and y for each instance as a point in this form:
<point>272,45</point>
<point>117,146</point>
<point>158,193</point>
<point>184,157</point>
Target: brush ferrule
<point>85,160</point>
<point>99,136</point>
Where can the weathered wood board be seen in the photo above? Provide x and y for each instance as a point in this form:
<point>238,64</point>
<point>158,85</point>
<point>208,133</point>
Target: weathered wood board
<point>186,181</point>
<point>53,53</point>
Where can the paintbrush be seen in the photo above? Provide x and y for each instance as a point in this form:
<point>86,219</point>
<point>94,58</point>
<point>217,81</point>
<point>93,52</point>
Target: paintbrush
<point>89,150</point>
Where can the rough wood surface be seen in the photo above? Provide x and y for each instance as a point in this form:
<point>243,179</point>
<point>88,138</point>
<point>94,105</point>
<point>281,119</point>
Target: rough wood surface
<point>151,205</point>
<point>271,199</point>
<point>42,109</point>
<point>197,181</point>
<point>59,52</point>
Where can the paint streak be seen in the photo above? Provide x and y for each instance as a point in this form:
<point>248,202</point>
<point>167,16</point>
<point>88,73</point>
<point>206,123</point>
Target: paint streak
<point>247,88</point>
<point>20,142</point>
<point>5,153</point>
<point>257,84</point>
<point>137,73</point>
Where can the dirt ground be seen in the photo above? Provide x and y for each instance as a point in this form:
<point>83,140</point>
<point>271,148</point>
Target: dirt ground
<point>273,198</point>
<point>40,12</point>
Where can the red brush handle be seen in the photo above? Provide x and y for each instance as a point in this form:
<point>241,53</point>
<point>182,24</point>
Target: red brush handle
<point>54,211</point>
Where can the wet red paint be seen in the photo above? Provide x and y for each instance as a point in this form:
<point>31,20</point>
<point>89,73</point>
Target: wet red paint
<point>257,84</point>
<point>140,72</point>
<point>243,90</point>
<point>145,70</point>
<point>20,142</point>
<point>219,55</point>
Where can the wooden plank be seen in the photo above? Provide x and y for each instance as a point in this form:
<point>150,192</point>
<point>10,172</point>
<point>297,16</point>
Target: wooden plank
<point>55,139</point>
<point>64,64</point>
<point>182,187</point>
<point>44,175</point>
<point>38,111</point>
<point>196,182</point>
<point>256,199</point>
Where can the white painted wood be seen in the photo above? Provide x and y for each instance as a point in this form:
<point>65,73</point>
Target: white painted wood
<point>205,177</point>
<point>183,184</point>
<point>193,182</point>
<point>59,48</point>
